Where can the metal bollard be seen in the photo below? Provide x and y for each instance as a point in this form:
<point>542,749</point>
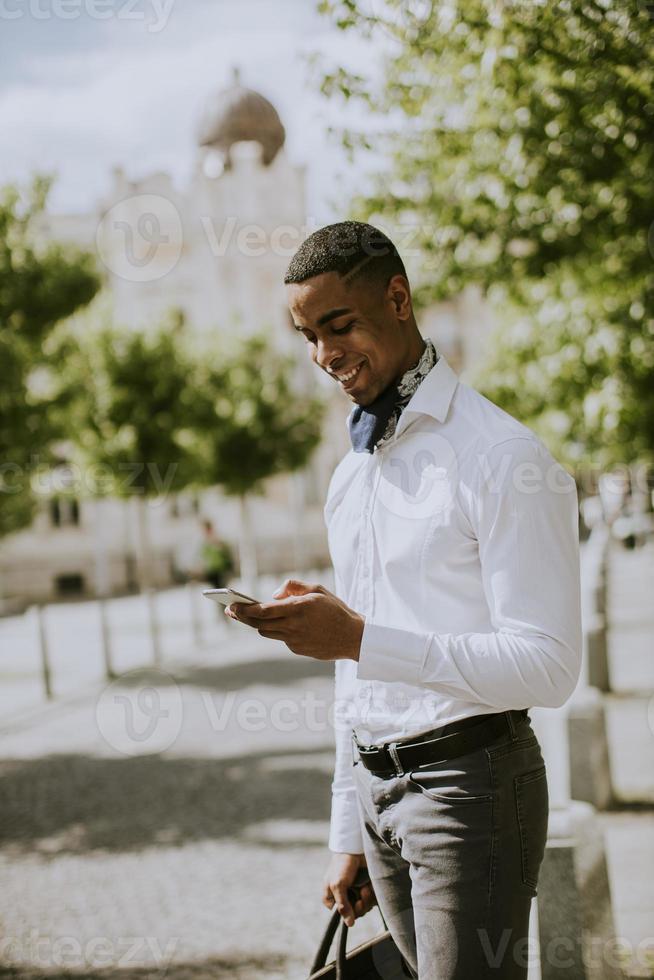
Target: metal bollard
<point>596,652</point>
<point>46,673</point>
<point>105,638</point>
<point>193,589</point>
<point>150,598</point>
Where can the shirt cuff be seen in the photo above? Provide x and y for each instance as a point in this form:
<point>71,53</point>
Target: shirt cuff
<point>390,654</point>
<point>345,835</point>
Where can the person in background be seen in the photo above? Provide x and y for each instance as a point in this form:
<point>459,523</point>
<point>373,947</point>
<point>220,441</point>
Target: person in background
<point>217,557</point>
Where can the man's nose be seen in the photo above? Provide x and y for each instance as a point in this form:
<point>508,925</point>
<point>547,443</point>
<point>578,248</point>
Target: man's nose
<point>328,354</point>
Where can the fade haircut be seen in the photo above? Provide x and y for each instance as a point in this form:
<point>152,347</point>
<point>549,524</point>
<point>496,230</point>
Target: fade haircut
<point>353,249</point>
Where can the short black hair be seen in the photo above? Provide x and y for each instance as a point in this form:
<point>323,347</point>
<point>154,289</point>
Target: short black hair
<point>353,249</point>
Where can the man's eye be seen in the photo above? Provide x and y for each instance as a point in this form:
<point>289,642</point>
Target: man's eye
<point>345,329</point>
<point>309,340</point>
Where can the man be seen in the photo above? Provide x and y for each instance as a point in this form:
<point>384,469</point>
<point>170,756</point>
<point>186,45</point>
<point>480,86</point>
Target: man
<point>454,540</point>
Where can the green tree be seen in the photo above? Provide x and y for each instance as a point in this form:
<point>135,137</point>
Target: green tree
<point>40,285</point>
<point>521,162</point>
<point>130,398</point>
<point>251,424</point>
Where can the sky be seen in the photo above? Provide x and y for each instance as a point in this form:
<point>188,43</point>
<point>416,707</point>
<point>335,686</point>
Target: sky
<point>86,85</point>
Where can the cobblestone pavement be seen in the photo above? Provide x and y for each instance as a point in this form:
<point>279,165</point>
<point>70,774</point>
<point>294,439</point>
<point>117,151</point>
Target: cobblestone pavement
<point>182,835</point>
<point>174,823</point>
<point>629,828</point>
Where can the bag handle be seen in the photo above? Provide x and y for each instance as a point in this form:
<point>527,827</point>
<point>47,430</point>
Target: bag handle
<point>325,943</point>
<point>362,878</point>
<point>323,950</point>
<point>340,953</point>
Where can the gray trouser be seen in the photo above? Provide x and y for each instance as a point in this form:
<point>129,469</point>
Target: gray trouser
<point>454,850</point>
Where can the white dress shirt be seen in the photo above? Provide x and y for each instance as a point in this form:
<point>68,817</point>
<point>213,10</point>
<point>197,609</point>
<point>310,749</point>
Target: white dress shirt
<point>458,542</point>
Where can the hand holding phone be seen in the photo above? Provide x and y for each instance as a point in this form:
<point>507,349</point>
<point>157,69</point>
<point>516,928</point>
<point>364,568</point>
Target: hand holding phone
<point>227,596</point>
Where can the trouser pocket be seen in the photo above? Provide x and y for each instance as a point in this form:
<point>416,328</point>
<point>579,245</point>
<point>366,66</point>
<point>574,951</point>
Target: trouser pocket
<point>532,804</point>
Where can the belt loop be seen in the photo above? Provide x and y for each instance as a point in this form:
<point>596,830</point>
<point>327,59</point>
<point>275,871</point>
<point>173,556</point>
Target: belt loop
<point>509,720</point>
<point>392,751</point>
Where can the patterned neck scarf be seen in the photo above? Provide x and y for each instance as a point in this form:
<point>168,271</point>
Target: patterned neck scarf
<point>373,424</point>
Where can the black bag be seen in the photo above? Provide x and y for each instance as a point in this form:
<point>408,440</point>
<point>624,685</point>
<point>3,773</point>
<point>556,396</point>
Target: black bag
<point>378,959</point>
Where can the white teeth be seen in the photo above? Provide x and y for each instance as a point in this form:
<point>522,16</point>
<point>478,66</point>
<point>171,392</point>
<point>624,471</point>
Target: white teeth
<point>347,377</point>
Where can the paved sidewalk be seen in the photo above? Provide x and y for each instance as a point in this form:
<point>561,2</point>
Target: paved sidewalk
<point>175,822</point>
<point>186,624</point>
<point>629,829</point>
<point>186,829</point>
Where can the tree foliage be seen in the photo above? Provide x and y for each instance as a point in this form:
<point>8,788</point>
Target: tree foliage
<point>249,421</point>
<point>522,163</point>
<point>39,286</point>
<point>130,405</point>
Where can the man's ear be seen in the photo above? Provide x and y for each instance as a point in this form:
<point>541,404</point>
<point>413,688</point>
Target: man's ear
<point>399,294</point>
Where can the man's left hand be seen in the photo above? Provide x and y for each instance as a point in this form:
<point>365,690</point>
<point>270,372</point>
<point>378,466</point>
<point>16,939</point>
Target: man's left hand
<point>309,619</point>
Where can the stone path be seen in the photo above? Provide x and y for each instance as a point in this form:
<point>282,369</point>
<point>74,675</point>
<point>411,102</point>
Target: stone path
<point>184,831</point>
<point>175,822</point>
<point>629,829</point>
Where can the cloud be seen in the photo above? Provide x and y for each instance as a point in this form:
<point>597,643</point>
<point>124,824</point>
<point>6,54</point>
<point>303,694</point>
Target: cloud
<point>113,94</point>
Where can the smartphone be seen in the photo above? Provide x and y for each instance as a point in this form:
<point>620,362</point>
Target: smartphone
<point>227,596</point>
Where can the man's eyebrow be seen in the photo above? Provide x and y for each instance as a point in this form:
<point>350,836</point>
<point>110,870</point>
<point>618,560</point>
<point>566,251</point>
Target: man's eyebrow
<point>326,317</point>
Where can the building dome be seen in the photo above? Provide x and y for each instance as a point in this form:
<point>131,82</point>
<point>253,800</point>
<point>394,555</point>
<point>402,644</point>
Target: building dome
<point>237,113</point>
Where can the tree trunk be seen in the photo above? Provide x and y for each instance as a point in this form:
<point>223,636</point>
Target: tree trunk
<point>298,510</point>
<point>145,577</point>
<point>247,549</point>
<point>100,552</point>
<point>144,555</point>
<point>102,587</point>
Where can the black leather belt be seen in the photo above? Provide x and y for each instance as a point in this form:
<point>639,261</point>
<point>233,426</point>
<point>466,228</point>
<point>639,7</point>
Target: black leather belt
<point>440,745</point>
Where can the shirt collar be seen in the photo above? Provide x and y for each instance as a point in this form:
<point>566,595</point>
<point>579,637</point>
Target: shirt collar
<point>433,395</point>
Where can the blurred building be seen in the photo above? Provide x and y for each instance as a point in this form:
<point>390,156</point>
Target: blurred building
<point>216,251</point>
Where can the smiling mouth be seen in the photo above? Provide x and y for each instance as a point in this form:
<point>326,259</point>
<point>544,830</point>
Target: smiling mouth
<point>349,375</point>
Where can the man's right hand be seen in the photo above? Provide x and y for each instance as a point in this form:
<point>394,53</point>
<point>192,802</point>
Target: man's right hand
<point>341,872</point>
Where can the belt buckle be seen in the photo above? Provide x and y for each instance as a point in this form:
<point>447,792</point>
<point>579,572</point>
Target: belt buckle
<point>391,749</point>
